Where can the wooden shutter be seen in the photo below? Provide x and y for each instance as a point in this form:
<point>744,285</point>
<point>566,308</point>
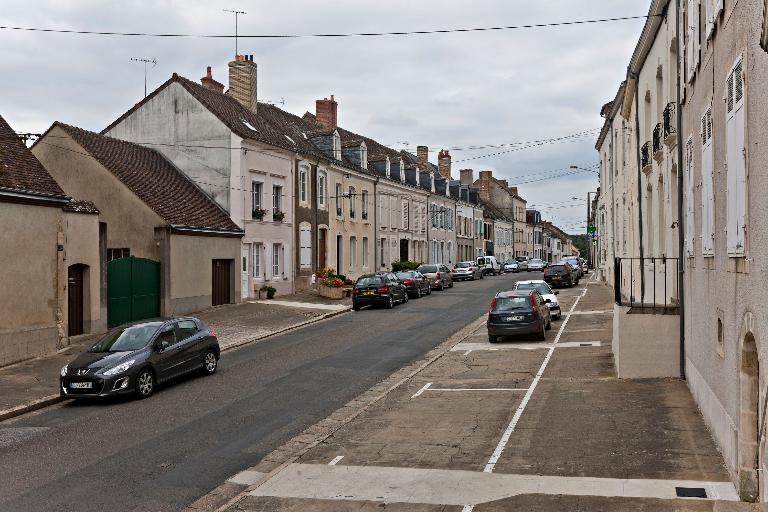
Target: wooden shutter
<point>735,161</point>
<point>404,223</point>
<point>709,16</point>
<point>707,193</point>
<point>305,247</point>
<point>689,199</point>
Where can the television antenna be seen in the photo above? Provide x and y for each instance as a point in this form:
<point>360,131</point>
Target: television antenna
<point>152,61</point>
<point>235,13</point>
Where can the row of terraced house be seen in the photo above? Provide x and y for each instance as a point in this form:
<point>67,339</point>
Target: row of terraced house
<point>681,217</point>
<point>197,197</point>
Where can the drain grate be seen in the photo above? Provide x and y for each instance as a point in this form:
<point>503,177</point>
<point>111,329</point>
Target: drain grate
<point>691,492</point>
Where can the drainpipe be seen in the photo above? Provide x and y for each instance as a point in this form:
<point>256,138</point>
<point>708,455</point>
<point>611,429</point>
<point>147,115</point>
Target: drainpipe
<point>680,223</point>
<point>375,226</point>
<point>639,181</point>
<point>613,202</point>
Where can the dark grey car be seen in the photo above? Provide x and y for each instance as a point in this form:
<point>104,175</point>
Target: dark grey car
<point>439,276</point>
<point>134,358</point>
<point>518,312</point>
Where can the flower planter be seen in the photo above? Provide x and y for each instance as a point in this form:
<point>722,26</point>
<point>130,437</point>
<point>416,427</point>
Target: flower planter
<point>330,293</point>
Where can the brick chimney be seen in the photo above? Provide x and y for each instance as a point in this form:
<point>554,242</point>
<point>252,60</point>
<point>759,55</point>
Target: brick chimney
<point>513,190</point>
<point>326,112</point>
<point>422,156</point>
<point>242,81</point>
<point>485,185</point>
<point>444,163</point>
<point>209,83</point>
<point>467,177</point>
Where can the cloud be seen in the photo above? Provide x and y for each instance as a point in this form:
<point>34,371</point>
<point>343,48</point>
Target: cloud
<point>440,90</point>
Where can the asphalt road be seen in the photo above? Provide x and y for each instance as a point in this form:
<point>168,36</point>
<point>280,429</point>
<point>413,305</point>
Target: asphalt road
<point>163,453</point>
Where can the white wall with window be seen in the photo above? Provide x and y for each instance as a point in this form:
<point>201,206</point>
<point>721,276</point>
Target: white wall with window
<point>322,189</point>
<point>338,199</point>
<point>352,198</point>
<point>364,205</point>
<point>304,171</point>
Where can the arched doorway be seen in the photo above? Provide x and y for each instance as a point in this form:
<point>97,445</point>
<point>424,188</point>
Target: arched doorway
<point>76,275</point>
<point>749,417</point>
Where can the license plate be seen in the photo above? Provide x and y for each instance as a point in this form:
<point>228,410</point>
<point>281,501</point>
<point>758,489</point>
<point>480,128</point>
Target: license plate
<point>81,385</point>
<point>514,318</point>
<point>556,278</point>
<point>368,293</point>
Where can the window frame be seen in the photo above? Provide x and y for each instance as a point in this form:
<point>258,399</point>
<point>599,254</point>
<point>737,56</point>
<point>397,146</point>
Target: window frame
<point>322,189</point>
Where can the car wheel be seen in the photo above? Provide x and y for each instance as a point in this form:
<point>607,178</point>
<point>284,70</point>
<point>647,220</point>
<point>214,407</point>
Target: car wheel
<point>418,292</point>
<point>549,324</point>
<point>145,383</point>
<point>450,285</point>
<point>405,298</point>
<point>493,339</point>
<point>481,275</point>
<point>472,278</point>
<point>391,302</point>
<point>429,290</point>
<point>210,363</point>
<point>442,286</point>
<point>543,333</point>
<point>356,308</point>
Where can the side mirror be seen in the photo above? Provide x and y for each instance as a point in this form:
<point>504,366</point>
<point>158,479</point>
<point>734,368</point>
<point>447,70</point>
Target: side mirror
<point>548,301</point>
<point>161,345</point>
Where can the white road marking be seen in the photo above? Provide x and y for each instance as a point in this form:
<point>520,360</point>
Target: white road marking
<point>476,389</point>
<point>462,488</point>
<point>482,347</point>
<point>604,312</point>
<point>303,305</point>
<point>419,392</point>
<point>468,508</point>
<point>519,412</point>
<point>336,460</point>
<point>248,477</point>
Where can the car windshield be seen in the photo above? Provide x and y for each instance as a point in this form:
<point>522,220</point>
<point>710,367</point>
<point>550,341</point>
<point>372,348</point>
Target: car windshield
<point>520,258</point>
<point>510,303</point>
<point>543,288</point>
<point>556,268</point>
<point>126,339</point>
<point>537,261</point>
<point>463,264</point>
<point>368,281</point>
<point>406,275</point>
<point>427,269</point>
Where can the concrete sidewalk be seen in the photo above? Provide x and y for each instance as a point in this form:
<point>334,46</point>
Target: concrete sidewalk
<point>509,426</point>
<point>33,384</point>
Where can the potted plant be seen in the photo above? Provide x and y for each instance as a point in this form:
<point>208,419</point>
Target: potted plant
<point>271,292</point>
<point>278,216</point>
<point>263,289</point>
<point>330,284</point>
<point>259,213</point>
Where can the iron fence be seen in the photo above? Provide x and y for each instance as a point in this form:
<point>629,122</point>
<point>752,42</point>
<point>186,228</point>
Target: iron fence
<point>645,155</point>
<point>658,131</point>
<point>647,283</point>
<point>670,120</point>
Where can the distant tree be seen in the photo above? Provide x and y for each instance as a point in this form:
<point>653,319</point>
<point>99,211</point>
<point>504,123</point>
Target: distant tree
<point>582,244</point>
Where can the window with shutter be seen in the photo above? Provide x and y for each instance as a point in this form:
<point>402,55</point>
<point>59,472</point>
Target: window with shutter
<point>689,199</point>
<point>707,192</point>
<point>709,16</point>
<point>404,221</point>
<point>305,246</point>
<point>736,169</point>
<point>392,211</point>
<point>382,210</point>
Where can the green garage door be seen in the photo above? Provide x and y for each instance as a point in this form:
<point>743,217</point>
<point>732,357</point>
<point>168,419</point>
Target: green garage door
<point>133,290</point>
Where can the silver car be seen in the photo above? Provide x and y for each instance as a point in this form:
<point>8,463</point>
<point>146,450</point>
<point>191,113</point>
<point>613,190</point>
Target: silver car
<point>511,266</point>
<point>439,276</point>
<point>466,270</point>
<point>536,264</point>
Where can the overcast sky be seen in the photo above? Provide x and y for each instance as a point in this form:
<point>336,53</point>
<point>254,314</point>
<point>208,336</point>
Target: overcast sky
<point>445,90</point>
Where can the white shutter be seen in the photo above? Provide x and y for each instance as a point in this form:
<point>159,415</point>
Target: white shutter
<point>709,16</point>
<point>692,46</point>
<point>305,244</point>
<point>404,222</point>
<point>707,193</point>
<point>736,170</point>
<point>716,10</point>
<point>689,199</point>
<point>382,210</point>
<point>392,210</point>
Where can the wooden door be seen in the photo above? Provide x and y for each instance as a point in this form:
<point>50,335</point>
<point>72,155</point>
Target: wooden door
<point>75,300</point>
<point>321,249</point>
<point>221,282</point>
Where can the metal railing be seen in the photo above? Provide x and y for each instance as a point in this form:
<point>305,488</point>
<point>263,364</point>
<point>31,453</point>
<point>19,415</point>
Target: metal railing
<point>658,132</point>
<point>650,284</point>
<point>670,120</point>
<point>645,155</point>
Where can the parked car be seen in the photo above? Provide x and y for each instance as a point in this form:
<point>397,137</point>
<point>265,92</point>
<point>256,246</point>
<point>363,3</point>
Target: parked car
<point>518,312</point>
<point>584,267</point>
<point>546,291</point>
<point>466,270</point>
<point>522,262</point>
<point>576,270</point>
<point>134,358</point>
<point>559,274</point>
<point>383,289</point>
<point>489,265</point>
<point>574,262</point>
<point>415,284</point>
<point>439,276</point>
<point>536,264</point>
<point>511,266</point>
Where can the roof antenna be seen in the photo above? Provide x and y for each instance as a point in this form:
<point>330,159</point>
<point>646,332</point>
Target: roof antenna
<point>235,13</point>
<point>152,61</point>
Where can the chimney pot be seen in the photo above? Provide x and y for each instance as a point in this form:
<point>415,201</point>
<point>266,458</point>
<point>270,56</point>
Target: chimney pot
<point>209,83</point>
<point>422,157</point>
<point>444,164</point>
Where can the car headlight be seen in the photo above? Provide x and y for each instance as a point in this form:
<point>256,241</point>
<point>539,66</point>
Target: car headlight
<point>64,370</point>
<point>119,368</point>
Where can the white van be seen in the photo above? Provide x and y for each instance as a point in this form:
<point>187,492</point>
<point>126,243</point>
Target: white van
<point>489,265</point>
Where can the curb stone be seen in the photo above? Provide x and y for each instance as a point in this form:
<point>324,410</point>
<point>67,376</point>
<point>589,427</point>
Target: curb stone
<point>300,444</point>
<point>46,401</point>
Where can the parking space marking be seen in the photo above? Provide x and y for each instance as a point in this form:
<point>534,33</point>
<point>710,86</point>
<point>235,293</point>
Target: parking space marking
<point>419,392</point>
<point>483,347</point>
<point>519,412</point>
<point>602,312</point>
<point>336,460</point>
<point>475,389</point>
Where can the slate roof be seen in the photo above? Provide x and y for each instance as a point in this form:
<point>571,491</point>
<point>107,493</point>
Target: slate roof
<point>155,180</point>
<point>81,206</point>
<point>20,170</point>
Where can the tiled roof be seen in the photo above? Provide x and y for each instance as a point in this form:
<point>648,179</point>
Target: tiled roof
<point>81,206</point>
<point>20,170</point>
<point>159,184</point>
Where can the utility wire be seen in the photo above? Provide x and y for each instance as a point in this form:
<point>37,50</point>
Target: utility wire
<point>331,35</point>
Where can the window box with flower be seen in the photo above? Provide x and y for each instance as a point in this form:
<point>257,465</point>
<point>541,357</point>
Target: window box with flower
<point>258,213</point>
<point>278,216</point>
<point>332,285</point>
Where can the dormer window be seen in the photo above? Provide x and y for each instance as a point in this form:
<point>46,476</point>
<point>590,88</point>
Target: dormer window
<point>336,146</point>
<point>387,168</point>
<point>363,156</point>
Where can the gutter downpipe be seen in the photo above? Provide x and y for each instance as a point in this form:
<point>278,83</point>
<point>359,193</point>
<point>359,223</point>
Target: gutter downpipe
<point>680,223</point>
<point>376,239</point>
<point>634,77</point>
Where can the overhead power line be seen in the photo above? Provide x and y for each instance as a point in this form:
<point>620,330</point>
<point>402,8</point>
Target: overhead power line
<point>330,35</point>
